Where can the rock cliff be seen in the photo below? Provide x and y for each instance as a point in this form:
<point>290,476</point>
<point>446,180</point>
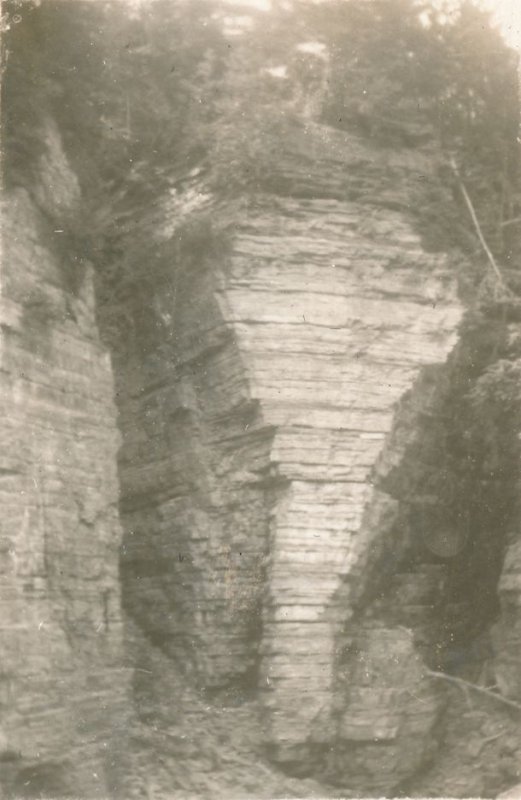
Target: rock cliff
<point>251,445</point>
<point>63,684</point>
<point>259,484</point>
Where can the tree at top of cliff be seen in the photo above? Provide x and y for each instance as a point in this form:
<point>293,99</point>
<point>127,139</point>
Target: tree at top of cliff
<point>408,71</point>
<point>123,86</point>
<point>148,95</point>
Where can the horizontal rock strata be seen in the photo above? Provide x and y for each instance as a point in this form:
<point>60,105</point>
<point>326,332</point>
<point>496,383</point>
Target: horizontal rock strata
<point>336,308</point>
<point>254,418</point>
<point>194,467</point>
<point>62,683</point>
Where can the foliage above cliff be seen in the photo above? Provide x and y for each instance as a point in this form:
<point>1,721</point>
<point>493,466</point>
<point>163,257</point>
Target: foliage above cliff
<point>124,87</point>
<point>411,74</point>
<point>143,96</point>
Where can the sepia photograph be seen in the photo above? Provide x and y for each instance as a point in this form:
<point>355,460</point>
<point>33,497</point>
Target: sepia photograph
<point>260,399</point>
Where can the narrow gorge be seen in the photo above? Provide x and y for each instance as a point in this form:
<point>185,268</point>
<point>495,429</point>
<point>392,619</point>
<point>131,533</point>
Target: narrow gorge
<point>261,418</point>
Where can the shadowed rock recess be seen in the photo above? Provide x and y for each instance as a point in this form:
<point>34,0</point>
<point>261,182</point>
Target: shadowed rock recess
<point>259,455</point>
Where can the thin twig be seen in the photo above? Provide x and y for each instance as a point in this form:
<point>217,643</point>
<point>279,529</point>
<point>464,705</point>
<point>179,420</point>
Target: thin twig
<point>480,745</point>
<point>510,222</point>
<point>465,685</point>
<point>477,226</point>
<point>492,738</point>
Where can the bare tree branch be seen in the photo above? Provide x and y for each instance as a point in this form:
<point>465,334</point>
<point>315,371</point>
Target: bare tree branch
<point>514,221</point>
<point>465,685</point>
<point>477,226</point>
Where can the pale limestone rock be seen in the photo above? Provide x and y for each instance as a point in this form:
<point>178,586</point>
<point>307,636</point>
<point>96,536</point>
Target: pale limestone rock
<point>251,445</point>
<point>62,682</point>
<point>335,312</point>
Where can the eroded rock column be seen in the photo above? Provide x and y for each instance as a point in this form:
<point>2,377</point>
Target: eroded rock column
<point>256,410</point>
<point>336,308</point>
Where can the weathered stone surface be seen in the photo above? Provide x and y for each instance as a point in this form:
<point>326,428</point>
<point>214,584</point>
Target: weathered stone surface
<point>336,308</point>
<point>251,440</point>
<point>389,709</point>
<point>62,682</point>
<point>266,392</point>
<point>193,470</point>
<point>507,631</point>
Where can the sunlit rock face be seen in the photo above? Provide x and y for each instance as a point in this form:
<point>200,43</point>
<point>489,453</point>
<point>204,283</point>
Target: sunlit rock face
<point>252,444</point>
<point>336,308</point>
<point>62,686</point>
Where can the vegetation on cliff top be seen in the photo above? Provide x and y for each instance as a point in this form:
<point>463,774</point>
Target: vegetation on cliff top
<point>159,98</point>
<point>144,93</point>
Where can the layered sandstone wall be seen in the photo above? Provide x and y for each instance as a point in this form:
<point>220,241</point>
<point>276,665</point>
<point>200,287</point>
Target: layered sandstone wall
<point>193,469</point>
<point>63,700</point>
<point>255,419</point>
<point>275,357</point>
<point>337,308</point>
